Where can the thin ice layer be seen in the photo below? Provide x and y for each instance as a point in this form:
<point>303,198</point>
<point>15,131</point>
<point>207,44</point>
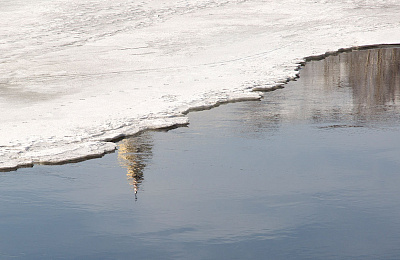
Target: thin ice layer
<point>76,74</point>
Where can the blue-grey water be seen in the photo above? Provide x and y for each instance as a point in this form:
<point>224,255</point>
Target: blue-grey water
<point>312,171</point>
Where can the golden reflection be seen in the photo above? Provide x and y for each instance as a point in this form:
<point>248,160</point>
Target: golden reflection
<point>133,154</point>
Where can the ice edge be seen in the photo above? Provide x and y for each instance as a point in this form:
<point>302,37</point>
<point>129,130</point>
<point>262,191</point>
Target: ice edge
<point>108,143</point>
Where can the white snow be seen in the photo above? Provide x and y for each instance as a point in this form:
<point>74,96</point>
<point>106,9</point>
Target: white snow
<point>76,74</point>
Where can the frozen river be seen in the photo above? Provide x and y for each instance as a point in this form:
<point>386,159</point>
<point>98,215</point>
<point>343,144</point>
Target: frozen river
<point>310,172</point>
<point>76,74</point>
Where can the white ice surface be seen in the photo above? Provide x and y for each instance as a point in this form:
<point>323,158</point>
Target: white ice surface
<point>74,74</point>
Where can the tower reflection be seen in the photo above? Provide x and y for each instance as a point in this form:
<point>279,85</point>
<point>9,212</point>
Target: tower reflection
<point>134,154</point>
<point>350,89</point>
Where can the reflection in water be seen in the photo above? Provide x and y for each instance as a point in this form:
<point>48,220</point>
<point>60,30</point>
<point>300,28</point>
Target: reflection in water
<point>133,154</point>
<point>368,82</point>
<point>357,88</point>
<point>373,76</point>
<point>324,185</point>
<point>351,89</point>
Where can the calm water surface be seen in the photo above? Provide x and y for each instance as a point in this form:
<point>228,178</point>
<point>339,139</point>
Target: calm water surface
<point>310,172</point>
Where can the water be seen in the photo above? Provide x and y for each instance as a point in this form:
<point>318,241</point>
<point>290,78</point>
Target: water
<point>309,172</point>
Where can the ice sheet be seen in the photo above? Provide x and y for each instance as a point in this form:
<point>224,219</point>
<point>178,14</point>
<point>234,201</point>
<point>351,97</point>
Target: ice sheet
<point>74,75</point>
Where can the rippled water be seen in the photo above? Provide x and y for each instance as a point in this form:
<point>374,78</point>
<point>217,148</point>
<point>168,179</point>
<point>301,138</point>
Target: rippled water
<point>309,172</point>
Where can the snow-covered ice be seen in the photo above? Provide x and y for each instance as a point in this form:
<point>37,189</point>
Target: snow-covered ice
<point>76,74</point>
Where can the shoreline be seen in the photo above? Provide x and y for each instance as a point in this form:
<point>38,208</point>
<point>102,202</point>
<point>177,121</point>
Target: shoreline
<point>260,90</point>
<point>65,99</point>
<point>286,177</point>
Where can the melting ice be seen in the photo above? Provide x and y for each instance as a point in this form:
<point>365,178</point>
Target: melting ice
<point>74,75</point>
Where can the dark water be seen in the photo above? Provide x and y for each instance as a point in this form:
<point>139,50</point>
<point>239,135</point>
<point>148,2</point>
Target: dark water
<point>310,172</point>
